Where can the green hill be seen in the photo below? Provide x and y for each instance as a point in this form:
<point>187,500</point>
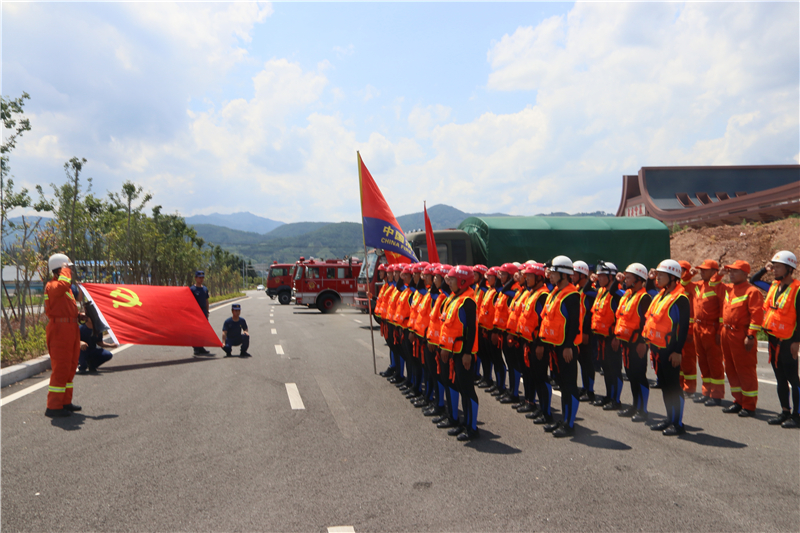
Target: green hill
<point>295,229</point>
<point>224,236</point>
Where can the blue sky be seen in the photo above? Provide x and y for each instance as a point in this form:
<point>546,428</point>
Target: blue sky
<point>513,107</point>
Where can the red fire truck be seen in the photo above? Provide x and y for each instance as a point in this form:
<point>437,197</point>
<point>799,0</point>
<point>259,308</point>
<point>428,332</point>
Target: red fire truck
<point>369,274</point>
<point>326,284</point>
<point>279,282</point>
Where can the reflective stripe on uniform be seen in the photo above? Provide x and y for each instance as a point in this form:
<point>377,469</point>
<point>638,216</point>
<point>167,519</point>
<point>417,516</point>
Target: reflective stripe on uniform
<point>46,297</point>
<point>56,389</point>
<point>750,393</point>
<point>69,385</point>
<point>690,377</point>
<point>736,389</point>
<point>64,278</point>
<point>755,327</point>
<point>716,381</point>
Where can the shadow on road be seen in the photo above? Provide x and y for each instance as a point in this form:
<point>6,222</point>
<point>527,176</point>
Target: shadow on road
<point>76,420</point>
<point>589,437</point>
<point>704,439</point>
<point>488,443</point>
<point>157,364</point>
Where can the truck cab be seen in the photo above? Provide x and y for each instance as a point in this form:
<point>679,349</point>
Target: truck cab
<point>279,282</point>
<point>454,246</point>
<point>368,278</point>
<point>326,285</point>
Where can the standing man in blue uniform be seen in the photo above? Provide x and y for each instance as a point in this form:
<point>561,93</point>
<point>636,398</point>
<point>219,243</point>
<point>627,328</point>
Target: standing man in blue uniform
<point>201,295</point>
<point>234,333</point>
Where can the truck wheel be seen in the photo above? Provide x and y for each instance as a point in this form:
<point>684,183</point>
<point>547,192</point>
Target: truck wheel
<point>328,303</point>
<point>285,298</point>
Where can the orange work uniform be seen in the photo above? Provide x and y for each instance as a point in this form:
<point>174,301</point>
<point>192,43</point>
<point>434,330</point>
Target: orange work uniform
<point>688,376</point>
<point>707,306</point>
<point>742,315</point>
<point>63,338</point>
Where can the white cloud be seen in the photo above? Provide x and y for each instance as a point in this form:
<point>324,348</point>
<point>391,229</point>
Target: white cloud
<point>422,120</point>
<point>343,51</point>
<point>370,92</point>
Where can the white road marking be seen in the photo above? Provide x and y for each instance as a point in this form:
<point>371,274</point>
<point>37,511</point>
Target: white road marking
<point>271,321</point>
<point>262,297</point>
<point>294,396</point>
<point>341,529</point>
<point>33,388</point>
<point>767,381</point>
<point>279,349</point>
<point>274,331</point>
<point>357,320</point>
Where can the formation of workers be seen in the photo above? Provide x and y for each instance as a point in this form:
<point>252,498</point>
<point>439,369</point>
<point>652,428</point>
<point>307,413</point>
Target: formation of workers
<point>519,331</point>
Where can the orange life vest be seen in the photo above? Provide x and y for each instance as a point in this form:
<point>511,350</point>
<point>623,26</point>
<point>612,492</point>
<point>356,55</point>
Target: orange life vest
<point>453,330</point>
<point>391,304</point>
<point>554,324</point>
<point>602,313</point>
<point>658,323</point>
<point>435,323</point>
<point>628,319</point>
<point>414,309</point>
<point>514,309</point>
<point>780,315</point>
<point>486,311</point>
<point>501,311</point>
<point>528,325</point>
<point>402,310</point>
<point>423,315</point>
<point>380,303</point>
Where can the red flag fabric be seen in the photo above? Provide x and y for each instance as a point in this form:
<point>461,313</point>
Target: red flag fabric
<point>433,252</point>
<point>380,227</point>
<point>147,314</point>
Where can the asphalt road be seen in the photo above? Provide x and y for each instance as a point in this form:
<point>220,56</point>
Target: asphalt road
<point>169,442</point>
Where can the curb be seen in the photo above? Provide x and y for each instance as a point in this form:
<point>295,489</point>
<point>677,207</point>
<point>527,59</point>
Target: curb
<point>13,374</point>
<point>16,373</point>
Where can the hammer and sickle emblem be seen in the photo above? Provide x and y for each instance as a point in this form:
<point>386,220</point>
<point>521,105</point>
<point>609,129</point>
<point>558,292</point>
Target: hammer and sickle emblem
<point>130,297</point>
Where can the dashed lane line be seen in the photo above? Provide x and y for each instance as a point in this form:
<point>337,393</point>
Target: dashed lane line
<point>357,320</point>
<point>294,396</point>
<point>33,388</point>
<point>271,321</point>
<point>279,349</point>
<point>274,331</point>
<point>341,529</point>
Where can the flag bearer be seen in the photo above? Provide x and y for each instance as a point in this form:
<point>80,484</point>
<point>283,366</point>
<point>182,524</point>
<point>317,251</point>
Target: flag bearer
<point>781,309</point>
<point>63,337</point>
<point>561,331</point>
<point>628,332</point>
<point>459,342</point>
<point>742,315</point>
<point>666,328</point>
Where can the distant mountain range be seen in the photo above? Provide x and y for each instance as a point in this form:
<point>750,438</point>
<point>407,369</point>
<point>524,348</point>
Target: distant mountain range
<point>240,221</point>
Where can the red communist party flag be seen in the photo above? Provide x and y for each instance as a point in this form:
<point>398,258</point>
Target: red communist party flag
<point>433,252</point>
<point>380,227</point>
<point>146,314</point>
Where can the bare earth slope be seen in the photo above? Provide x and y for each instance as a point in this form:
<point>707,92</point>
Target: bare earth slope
<point>755,243</point>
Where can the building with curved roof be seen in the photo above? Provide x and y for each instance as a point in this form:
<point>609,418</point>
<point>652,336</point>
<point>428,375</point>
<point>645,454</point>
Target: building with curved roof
<point>711,196</point>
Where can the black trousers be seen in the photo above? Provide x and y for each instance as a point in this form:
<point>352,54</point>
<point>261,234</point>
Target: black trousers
<point>485,354</point>
<point>785,368</point>
<point>431,389</point>
<point>528,371</point>
<point>568,380</point>
<point>611,362</point>
<point>465,383</point>
<point>587,367</point>
<point>670,379</point>
<point>636,368</point>
<point>541,384</point>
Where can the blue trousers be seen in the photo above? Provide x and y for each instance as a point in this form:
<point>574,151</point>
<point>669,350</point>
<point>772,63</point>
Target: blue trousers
<point>244,342</point>
<point>91,359</point>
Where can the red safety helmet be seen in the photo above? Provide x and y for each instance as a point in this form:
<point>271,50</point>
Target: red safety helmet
<point>462,274</point>
<point>509,268</point>
<point>492,272</point>
<point>482,270</point>
<point>408,268</point>
<point>535,268</point>
<point>441,270</point>
<point>418,268</point>
<point>381,268</point>
<point>429,270</point>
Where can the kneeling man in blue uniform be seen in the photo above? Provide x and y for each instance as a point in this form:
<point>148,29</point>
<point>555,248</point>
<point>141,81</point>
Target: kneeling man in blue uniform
<point>234,333</point>
<point>92,349</point>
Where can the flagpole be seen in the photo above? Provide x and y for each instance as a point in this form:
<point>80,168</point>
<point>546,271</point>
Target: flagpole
<point>364,239</point>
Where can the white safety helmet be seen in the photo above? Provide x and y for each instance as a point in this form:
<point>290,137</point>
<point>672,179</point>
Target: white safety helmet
<point>562,264</point>
<point>581,268</point>
<point>57,261</point>
<point>670,266</point>
<point>785,257</point>
<point>637,269</point>
<point>530,262</point>
<point>517,264</point>
<point>606,268</point>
